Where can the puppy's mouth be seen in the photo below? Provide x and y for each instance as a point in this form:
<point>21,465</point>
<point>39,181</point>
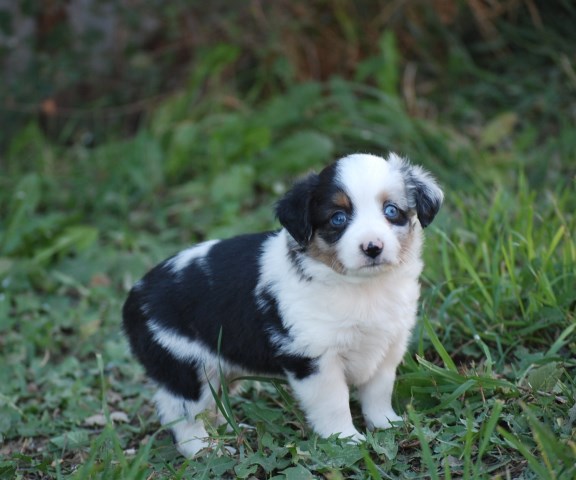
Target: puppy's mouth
<point>381,260</point>
<point>375,266</point>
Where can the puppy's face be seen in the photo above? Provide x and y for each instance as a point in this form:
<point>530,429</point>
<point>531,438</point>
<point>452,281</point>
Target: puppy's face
<point>359,215</point>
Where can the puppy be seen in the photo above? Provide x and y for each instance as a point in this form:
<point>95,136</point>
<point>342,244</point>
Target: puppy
<point>328,301</point>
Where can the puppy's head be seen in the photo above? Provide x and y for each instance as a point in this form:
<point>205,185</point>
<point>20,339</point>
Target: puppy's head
<point>360,214</point>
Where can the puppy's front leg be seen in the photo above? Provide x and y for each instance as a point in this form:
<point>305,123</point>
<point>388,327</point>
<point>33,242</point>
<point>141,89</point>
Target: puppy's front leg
<point>376,398</point>
<point>325,399</point>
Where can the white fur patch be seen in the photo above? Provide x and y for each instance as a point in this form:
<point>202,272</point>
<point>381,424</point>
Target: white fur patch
<point>188,350</point>
<point>196,253</point>
<point>366,176</point>
<point>369,181</point>
<point>179,346</point>
<point>359,319</point>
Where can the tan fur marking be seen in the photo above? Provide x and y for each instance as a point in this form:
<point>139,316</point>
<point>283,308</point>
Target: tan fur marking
<point>341,200</point>
<point>406,240</point>
<point>383,198</point>
<point>322,252</point>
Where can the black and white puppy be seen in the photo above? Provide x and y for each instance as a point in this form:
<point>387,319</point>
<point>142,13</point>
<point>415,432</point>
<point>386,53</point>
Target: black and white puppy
<point>328,301</point>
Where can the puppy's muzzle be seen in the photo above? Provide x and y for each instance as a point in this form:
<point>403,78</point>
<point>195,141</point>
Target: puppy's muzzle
<point>372,249</point>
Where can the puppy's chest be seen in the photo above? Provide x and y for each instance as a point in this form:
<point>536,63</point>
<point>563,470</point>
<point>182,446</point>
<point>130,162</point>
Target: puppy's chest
<point>353,323</point>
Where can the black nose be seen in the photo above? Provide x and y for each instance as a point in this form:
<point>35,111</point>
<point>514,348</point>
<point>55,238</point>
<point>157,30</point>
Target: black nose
<point>372,249</point>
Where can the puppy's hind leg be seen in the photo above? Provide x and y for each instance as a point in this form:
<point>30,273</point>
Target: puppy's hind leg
<point>232,387</point>
<point>180,415</point>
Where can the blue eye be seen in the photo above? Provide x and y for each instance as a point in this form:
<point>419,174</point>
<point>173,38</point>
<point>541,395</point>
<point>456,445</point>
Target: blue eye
<point>391,211</point>
<point>338,219</point>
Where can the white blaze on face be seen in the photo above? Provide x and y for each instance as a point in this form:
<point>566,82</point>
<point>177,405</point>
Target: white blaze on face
<point>370,182</point>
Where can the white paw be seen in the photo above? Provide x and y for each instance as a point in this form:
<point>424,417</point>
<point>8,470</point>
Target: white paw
<point>229,450</point>
<point>385,420</point>
<point>357,438</point>
<point>191,438</point>
<point>351,436</point>
<point>218,420</point>
<point>197,447</point>
<point>191,448</point>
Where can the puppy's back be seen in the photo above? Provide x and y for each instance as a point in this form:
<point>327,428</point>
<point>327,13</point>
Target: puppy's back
<point>204,295</point>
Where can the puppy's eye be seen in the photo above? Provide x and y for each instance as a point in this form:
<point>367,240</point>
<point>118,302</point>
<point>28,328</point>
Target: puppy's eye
<point>338,219</point>
<point>391,212</point>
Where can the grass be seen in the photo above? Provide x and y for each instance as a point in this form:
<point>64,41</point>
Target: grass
<point>488,388</point>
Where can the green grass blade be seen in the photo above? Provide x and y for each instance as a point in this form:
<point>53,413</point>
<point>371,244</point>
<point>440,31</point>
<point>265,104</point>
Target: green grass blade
<point>371,467</point>
<point>426,451</point>
<point>556,455</point>
<point>468,442</point>
<point>450,365</point>
<point>562,340</point>
<point>534,463</point>
<point>447,469</point>
<point>488,428</point>
<point>461,390</point>
<point>489,362</point>
<point>449,375</point>
<point>466,263</point>
<point>553,245</point>
<point>222,397</point>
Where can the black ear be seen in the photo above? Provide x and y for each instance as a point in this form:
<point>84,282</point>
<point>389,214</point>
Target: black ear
<point>293,210</point>
<point>429,198</point>
<point>424,193</point>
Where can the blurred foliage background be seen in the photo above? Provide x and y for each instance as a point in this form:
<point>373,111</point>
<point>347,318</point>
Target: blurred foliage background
<point>88,69</point>
<point>153,94</point>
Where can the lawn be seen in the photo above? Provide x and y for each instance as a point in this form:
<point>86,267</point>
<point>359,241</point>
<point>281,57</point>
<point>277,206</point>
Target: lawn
<point>488,388</point>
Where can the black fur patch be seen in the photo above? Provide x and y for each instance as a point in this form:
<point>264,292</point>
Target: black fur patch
<point>427,203</point>
<point>198,303</point>
<point>296,257</point>
<point>293,210</point>
<point>177,376</point>
<point>424,194</point>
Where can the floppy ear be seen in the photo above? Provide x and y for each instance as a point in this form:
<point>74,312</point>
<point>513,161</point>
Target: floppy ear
<point>429,199</point>
<point>293,210</point>
<point>424,193</point>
